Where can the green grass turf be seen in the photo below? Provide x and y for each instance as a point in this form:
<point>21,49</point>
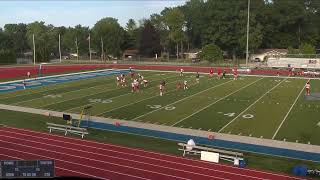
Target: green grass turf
<point>210,105</point>
<point>38,123</point>
<point>265,116</point>
<point>302,122</point>
<point>217,115</point>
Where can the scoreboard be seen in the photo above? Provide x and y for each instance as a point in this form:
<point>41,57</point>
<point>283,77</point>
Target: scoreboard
<point>27,169</point>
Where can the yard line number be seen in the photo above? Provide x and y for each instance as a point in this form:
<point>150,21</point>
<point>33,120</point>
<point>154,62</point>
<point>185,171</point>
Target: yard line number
<point>232,114</point>
<point>103,101</point>
<point>168,108</point>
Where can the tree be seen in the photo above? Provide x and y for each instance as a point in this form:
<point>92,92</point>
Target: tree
<point>7,54</point>
<point>158,23</point>
<point>211,53</point>
<point>149,41</point>
<point>131,35</point>
<point>112,35</point>
<point>174,20</point>
<point>17,33</point>
<point>307,49</point>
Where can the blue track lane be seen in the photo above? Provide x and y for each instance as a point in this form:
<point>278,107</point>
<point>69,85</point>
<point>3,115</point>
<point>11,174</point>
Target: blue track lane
<point>44,81</point>
<point>287,153</point>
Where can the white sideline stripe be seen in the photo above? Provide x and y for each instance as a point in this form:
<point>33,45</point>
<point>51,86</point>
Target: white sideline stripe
<point>111,97</point>
<point>59,75</point>
<point>284,119</point>
<point>54,88</point>
<point>69,92</point>
<point>48,157</point>
<point>89,159</point>
<point>250,106</point>
<point>144,151</point>
<point>77,172</point>
<point>215,102</point>
<point>137,101</point>
<point>183,99</point>
<point>128,159</point>
<point>59,94</point>
<point>249,75</point>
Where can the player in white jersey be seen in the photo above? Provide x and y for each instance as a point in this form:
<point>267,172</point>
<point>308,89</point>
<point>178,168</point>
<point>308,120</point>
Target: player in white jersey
<point>161,86</point>
<point>145,83</point>
<point>308,87</point>
<point>185,85</point>
<point>118,80</point>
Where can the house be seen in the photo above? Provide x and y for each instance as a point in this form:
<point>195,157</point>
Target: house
<point>264,54</point>
<point>130,54</point>
<point>193,54</point>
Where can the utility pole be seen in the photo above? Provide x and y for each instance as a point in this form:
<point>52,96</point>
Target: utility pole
<point>60,47</point>
<point>34,50</point>
<point>77,48</point>
<point>89,46</point>
<point>102,52</point>
<point>248,25</point>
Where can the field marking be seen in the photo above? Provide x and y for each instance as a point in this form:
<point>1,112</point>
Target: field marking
<point>120,95</point>
<point>216,102</point>
<point>284,119</point>
<point>62,83</point>
<point>228,81</point>
<point>86,88</point>
<point>59,94</point>
<point>102,91</point>
<point>136,101</point>
<point>250,106</point>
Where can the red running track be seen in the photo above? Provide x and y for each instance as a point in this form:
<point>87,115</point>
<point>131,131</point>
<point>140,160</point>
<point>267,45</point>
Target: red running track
<point>77,157</point>
<point>21,71</point>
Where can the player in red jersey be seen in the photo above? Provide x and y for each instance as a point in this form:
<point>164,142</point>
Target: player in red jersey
<point>211,72</point>
<point>235,74</point>
<point>181,72</point>
<point>308,87</point>
<point>132,75</point>
<point>219,73</point>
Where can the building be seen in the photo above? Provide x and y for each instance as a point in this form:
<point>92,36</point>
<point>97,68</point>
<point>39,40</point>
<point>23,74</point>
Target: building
<point>264,54</point>
<point>130,54</point>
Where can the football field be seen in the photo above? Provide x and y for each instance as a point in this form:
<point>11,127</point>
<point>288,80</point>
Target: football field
<point>256,106</point>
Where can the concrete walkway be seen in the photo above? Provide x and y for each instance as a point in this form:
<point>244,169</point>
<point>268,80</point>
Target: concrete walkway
<point>192,132</point>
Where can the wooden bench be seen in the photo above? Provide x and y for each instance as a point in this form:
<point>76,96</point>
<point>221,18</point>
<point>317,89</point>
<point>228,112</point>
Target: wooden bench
<point>67,128</point>
<point>224,154</point>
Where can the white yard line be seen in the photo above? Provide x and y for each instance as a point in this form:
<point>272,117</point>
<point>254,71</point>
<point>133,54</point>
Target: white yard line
<point>135,102</point>
<point>114,96</point>
<point>215,102</point>
<point>284,119</point>
<point>183,99</point>
<point>250,106</point>
<point>60,93</point>
<point>59,84</point>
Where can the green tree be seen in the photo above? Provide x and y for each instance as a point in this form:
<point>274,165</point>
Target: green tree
<point>17,33</point>
<point>175,21</point>
<point>112,34</point>
<point>149,40</point>
<point>307,49</point>
<point>211,53</point>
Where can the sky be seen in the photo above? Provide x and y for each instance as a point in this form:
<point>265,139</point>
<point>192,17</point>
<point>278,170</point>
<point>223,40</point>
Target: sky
<point>84,12</point>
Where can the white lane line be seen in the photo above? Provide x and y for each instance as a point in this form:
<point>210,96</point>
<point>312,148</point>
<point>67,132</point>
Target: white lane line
<point>104,146</point>
<point>183,99</point>
<point>127,159</point>
<point>74,163</point>
<point>251,105</point>
<point>215,102</point>
<point>284,119</point>
<point>76,172</point>
<point>111,157</point>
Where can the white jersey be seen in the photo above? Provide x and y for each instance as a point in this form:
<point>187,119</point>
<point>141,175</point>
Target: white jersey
<point>161,87</point>
<point>308,86</point>
<point>145,81</point>
<point>185,83</point>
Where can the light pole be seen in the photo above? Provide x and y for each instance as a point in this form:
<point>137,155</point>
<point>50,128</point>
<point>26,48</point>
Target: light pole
<point>248,25</point>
